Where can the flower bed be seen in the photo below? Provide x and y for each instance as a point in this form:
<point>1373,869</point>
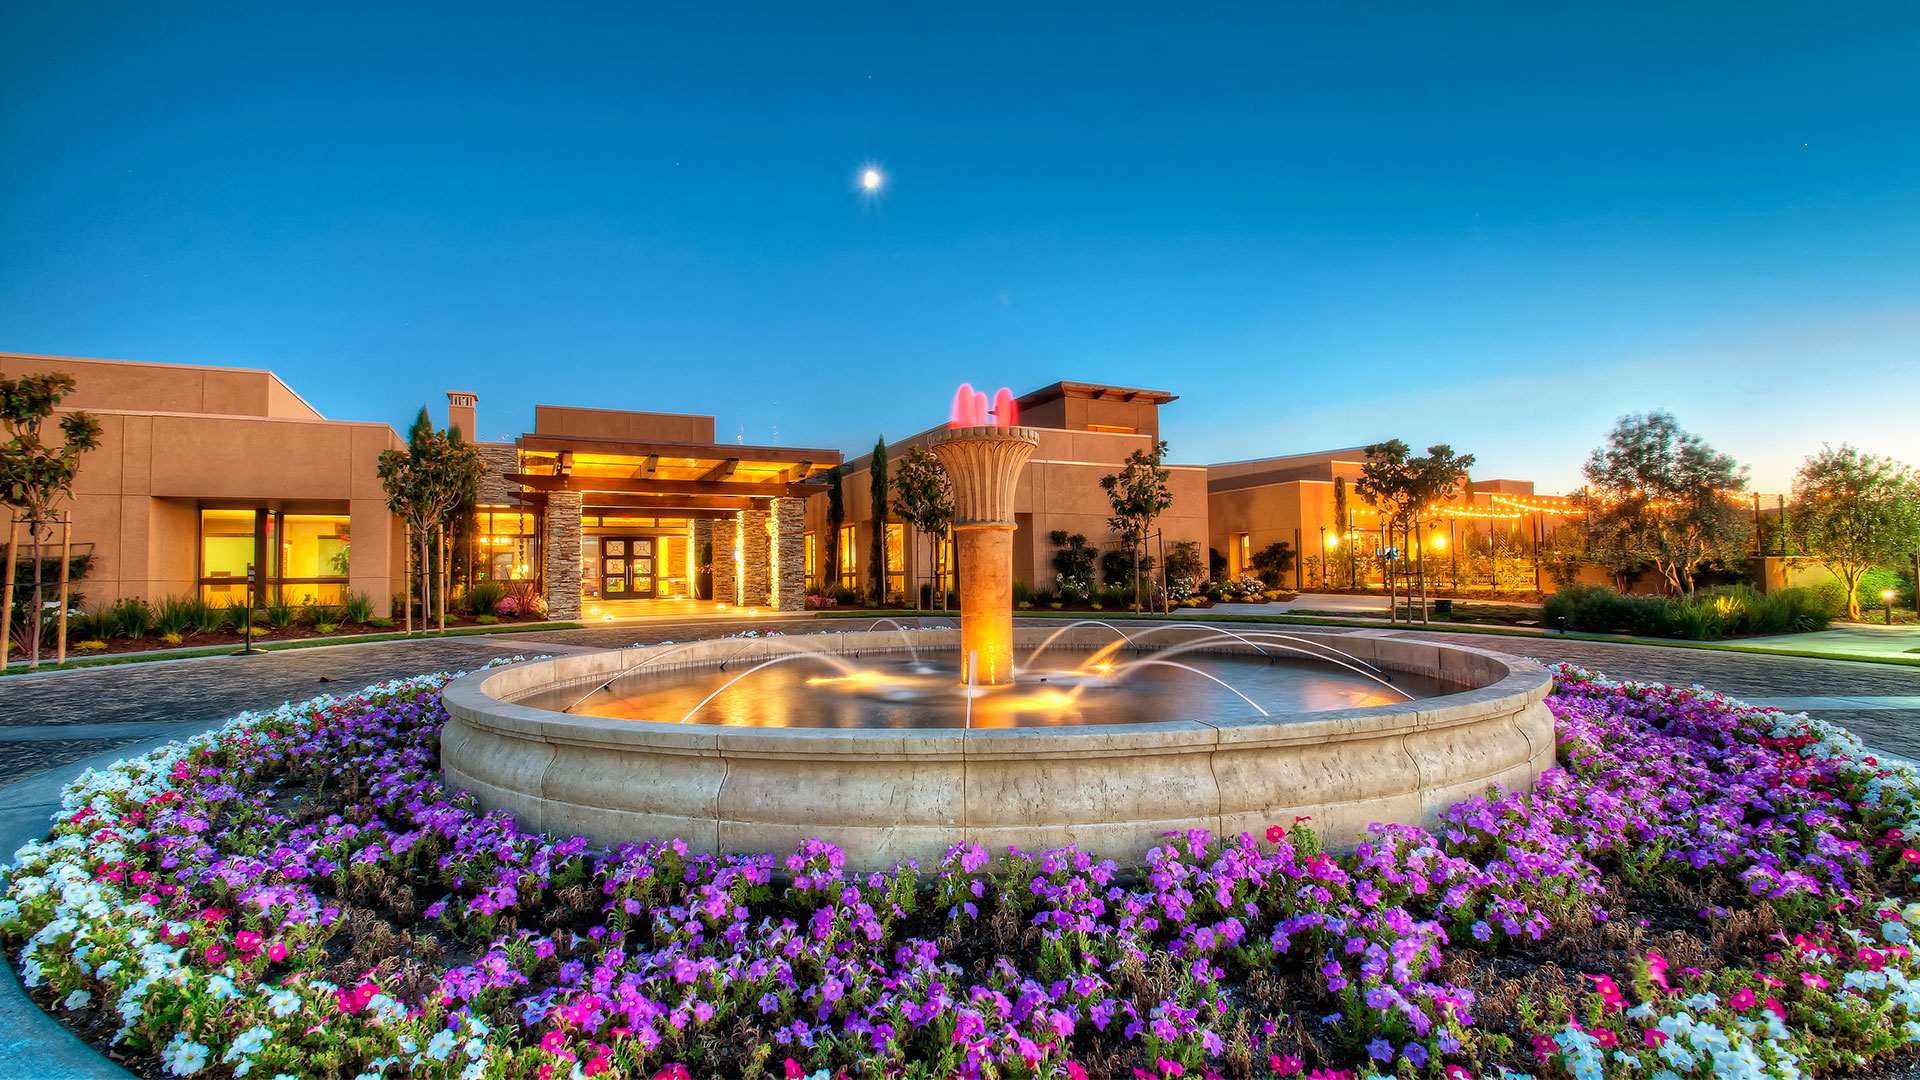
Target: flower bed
<point>1704,889</point>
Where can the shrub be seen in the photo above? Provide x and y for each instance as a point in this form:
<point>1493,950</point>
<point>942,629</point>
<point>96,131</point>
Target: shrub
<point>486,620</point>
<point>357,608</point>
<point>325,627</point>
<point>1596,609</point>
<point>380,621</point>
<point>279,614</point>
<point>315,614</point>
<point>89,625</point>
<point>209,619</point>
<point>175,614</point>
<point>90,645</point>
<point>172,638</point>
<point>130,618</point>
<point>482,597</point>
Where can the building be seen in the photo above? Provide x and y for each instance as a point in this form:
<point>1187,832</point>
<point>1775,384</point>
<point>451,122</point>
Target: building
<point>1495,534</point>
<point>1087,430</point>
<point>611,512</point>
<point>204,474</point>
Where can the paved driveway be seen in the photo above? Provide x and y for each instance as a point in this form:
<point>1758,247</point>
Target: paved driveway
<point>47,721</point>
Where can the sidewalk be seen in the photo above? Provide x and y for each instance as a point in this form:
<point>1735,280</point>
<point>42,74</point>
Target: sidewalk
<point>1852,639</point>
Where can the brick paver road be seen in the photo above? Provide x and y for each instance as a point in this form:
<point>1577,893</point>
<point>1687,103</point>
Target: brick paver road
<point>51,720</point>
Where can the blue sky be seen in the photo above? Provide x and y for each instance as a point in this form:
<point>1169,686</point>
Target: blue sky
<point>1318,227</point>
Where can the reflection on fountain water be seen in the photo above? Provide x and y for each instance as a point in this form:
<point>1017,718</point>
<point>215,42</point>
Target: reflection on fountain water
<point>806,685</point>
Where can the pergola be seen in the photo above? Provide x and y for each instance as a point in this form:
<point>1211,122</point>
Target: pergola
<point>748,501</point>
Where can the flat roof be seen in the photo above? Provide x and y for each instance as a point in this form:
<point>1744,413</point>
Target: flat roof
<point>1101,391</point>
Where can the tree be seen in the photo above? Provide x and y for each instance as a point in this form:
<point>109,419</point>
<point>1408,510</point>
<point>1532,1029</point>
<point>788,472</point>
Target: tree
<point>1139,493</point>
<point>877,488</point>
<point>1435,478</point>
<point>923,497</point>
<point>1659,495</point>
<point>1854,512</point>
<point>836,517</point>
<point>1386,482</point>
<point>1272,562</point>
<point>1403,488</point>
<point>425,484</point>
<point>1343,523</point>
<point>35,478</point>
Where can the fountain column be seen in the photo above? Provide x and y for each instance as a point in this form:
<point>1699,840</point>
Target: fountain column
<point>984,465</point>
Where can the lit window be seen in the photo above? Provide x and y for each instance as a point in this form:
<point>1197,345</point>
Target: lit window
<point>813,562</point>
<point>849,566</point>
<point>896,559</point>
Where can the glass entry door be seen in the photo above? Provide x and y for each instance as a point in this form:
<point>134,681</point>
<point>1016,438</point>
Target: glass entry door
<point>626,567</point>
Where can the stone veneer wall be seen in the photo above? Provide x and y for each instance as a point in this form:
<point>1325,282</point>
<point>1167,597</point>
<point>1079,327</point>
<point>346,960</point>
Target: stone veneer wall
<point>789,554</point>
<point>725,578</point>
<point>562,546</point>
<point>756,557</point>
<point>500,459</point>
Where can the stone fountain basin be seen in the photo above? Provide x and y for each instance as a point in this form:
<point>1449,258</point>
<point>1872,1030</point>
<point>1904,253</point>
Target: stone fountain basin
<point>888,795</point>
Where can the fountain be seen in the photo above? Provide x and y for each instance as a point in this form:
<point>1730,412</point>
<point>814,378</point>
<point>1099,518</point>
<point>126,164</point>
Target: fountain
<point>898,743</point>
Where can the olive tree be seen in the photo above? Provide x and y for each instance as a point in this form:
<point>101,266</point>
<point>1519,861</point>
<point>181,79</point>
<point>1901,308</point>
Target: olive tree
<point>36,478</point>
<point>1854,512</point>
<point>1660,494</point>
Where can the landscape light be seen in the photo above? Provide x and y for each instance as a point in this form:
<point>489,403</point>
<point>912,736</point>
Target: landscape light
<point>1886,604</point>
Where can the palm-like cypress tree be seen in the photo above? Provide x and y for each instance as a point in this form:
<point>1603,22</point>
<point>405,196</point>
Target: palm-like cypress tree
<point>877,481</point>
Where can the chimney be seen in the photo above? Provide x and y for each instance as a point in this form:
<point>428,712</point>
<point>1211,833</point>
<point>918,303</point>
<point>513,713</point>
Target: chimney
<point>461,414</point>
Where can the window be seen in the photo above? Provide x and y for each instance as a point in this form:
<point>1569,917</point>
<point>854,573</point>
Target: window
<point>896,559</point>
<point>1114,429</point>
<point>849,567</point>
<point>1242,554</point>
<point>503,544</point>
<point>312,557</point>
<point>226,555</point>
<point>307,557</point>
<point>812,563</point>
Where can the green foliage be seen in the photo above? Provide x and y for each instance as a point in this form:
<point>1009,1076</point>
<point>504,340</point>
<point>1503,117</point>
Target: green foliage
<point>357,608</point>
<point>1139,494</point>
<point>176,614</point>
<point>923,498</point>
<point>482,597</point>
<point>90,625</point>
<point>1657,495</point>
<point>130,618</point>
<point>1073,561</point>
<point>1856,512</point>
<point>1272,562</point>
<point>877,550</point>
<point>36,477</point>
<point>209,619</point>
<point>315,614</point>
<point>278,614</point>
<point>1711,614</point>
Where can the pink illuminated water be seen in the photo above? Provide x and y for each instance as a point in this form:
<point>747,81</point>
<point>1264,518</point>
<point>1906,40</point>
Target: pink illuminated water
<point>970,409</point>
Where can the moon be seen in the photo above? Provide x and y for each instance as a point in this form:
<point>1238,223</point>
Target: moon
<point>871,180</point>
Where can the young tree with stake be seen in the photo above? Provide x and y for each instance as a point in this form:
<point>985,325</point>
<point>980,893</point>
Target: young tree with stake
<point>1854,512</point>
<point>35,478</point>
<point>1139,493</point>
<point>923,497</point>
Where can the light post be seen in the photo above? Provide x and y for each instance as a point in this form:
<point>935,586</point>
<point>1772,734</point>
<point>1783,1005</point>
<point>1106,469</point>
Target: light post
<point>1886,604</point>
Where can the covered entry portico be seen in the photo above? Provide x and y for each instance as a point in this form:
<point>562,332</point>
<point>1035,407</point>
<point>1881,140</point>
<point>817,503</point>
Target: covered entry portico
<point>642,526</point>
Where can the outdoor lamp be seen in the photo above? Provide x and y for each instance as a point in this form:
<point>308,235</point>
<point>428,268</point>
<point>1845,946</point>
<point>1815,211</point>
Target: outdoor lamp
<point>1886,604</point>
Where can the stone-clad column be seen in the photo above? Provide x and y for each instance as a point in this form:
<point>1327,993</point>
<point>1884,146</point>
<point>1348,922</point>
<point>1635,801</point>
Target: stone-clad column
<point>756,558</point>
<point>562,546</point>
<point>789,554</point>
<point>726,575</point>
